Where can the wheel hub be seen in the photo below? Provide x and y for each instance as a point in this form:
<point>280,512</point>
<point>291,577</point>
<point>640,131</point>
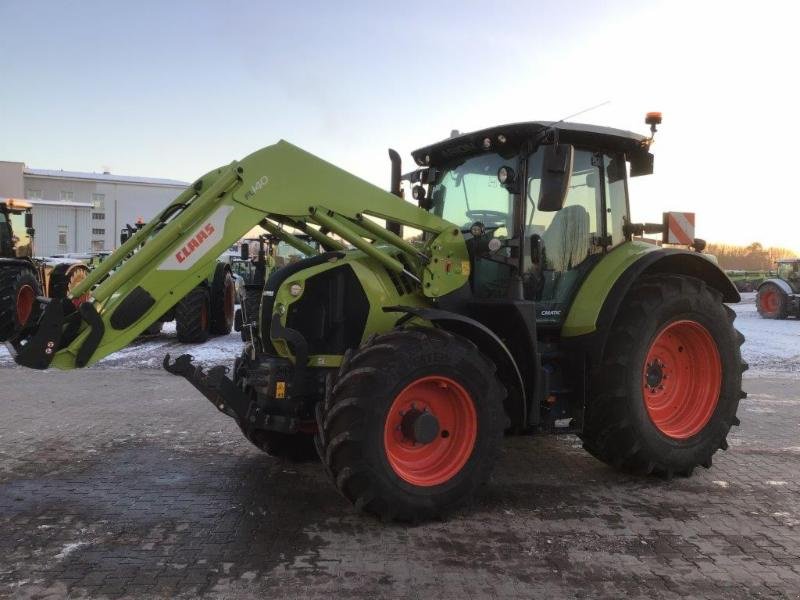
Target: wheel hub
<point>654,375</point>
<point>420,426</point>
<point>430,430</point>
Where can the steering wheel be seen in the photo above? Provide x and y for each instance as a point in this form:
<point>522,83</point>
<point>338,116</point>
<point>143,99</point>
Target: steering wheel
<point>495,217</point>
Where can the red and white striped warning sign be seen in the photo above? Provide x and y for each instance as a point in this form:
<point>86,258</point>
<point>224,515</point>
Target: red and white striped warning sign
<point>679,228</point>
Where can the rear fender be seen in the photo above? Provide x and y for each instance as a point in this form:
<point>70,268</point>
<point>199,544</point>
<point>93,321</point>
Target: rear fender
<point>598,301</point>
<point>782,285</point>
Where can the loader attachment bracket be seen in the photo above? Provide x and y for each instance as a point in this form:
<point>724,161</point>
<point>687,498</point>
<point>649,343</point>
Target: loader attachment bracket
<point>214,385</point>
<point>38,352</point>
<point>227,397</point>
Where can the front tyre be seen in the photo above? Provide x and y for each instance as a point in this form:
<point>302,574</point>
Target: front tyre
<point>666,392</point>
<point>411,424</point>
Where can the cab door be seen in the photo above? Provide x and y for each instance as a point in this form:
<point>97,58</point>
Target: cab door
<point>561,247</point>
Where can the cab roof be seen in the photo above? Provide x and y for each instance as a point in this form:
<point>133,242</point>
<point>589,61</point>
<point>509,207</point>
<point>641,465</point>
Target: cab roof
<point>633,145</point>
<point>15,203</point>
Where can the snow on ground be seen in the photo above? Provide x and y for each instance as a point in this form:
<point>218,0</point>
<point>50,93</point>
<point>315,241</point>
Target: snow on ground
<point>771,347</point>
<point>149,353</point>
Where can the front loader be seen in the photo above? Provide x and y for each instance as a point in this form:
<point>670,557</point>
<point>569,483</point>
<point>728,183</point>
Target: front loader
<point>525,305</point>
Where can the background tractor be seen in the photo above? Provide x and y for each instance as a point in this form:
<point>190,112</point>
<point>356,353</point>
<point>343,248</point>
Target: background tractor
<point>779,297</point>
<point>525,305</point>
<point>206,310</point>
<point>23,277</point>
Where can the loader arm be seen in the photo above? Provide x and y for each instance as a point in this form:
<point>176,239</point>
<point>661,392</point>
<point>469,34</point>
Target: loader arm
<point>173,253</point>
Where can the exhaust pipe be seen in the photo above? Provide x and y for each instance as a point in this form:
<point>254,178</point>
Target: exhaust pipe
<point>394,188</point>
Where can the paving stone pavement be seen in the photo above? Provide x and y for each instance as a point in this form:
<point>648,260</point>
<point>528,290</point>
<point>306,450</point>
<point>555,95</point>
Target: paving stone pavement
<point>126,484</point>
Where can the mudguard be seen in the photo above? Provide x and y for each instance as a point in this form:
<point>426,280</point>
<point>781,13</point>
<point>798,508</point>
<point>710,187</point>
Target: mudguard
<point>599,298</point>
<point>782,285</point>
<point>516,403</point>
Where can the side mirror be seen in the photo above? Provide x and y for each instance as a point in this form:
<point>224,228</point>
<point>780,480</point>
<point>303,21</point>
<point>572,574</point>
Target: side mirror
<point>244,251</point>
<point>28,220</point>
<point>557,164</point>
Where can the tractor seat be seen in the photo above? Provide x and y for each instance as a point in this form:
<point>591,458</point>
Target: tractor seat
<point>567,240</point>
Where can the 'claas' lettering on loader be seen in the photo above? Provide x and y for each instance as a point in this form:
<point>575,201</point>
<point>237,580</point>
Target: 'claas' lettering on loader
<point>194,243</point>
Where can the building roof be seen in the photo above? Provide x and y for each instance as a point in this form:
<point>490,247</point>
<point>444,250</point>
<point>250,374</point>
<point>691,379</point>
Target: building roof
<point>105,177</point>
<point>63,204</point>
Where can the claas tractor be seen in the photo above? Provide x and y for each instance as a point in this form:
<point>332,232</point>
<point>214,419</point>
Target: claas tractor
<point>511,297</point>
<point>24,277</point>
<point>206,310</point>
<point>275,250</point>
<point>779,297</point>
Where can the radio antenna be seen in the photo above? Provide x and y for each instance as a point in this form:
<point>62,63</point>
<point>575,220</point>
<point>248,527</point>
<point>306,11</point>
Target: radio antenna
<point>544,134</point>
<point>585,110</point>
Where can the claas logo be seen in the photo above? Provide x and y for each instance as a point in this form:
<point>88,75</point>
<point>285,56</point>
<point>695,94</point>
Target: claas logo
<point>194,243</point>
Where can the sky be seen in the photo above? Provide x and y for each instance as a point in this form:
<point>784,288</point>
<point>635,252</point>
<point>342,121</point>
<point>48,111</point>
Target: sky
<point>175,88</point>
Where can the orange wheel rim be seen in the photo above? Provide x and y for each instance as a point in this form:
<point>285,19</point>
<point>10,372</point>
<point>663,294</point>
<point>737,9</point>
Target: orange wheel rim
<point>77,276</point>
<point>430,431</point>
<point>681,379</point>
<point>768,301</point>
<point>26,296</point>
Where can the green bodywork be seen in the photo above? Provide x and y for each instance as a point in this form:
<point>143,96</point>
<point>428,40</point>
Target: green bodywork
<point>585,309</point>
<point>175,251</point>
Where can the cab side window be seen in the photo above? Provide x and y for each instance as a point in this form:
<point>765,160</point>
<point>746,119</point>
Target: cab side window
<point>568,234</point>
<point>616,197</point>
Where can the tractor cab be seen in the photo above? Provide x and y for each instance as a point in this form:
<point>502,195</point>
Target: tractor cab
<point>538,203</point>
<point>16,228</point>
<point>789,271</point>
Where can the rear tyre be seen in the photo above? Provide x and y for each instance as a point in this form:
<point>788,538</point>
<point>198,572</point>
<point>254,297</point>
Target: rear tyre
<point>223,301</point>
<point>19,288</point>
<point>411,424</point>
<point>666,392</point>
<point>772,302</point>
<point>192,316</point>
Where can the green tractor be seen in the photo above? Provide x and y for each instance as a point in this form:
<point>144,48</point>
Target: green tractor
<point>525,305</point>
<point>275,251</point>
<point>779,297</point>
<point>23,277</point>
<point>206,310</point>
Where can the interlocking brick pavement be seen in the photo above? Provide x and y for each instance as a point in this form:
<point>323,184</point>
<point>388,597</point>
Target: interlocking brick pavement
<point>121,483</point>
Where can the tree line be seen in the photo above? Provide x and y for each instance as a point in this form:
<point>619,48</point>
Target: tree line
<point>749,258</point>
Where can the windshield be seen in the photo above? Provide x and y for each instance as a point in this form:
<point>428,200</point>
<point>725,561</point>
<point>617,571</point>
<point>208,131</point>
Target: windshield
<point>470,192</point>
<point>22,241</point>
<point>789,272</point>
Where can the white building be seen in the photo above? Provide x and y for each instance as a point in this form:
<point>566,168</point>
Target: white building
<point>84,212</point>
